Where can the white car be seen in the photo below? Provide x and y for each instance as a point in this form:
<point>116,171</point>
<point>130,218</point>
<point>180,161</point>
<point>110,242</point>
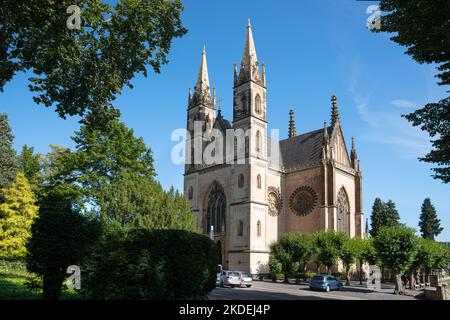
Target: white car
<point>230,279</point>
<point>246,279</point>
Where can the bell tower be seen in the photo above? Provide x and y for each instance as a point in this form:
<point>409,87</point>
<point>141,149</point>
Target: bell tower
<point>250,101</point>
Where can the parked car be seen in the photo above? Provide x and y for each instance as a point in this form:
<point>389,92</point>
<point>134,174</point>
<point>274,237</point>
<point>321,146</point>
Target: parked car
<point>246,279</point>
<point>230,279</point>
<point>325,282</point>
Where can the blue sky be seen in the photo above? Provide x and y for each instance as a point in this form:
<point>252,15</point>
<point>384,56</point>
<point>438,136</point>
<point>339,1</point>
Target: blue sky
<point>312,50</point>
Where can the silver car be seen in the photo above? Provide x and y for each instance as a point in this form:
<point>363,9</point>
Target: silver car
<point>230,279</point>
<point>246,279</point>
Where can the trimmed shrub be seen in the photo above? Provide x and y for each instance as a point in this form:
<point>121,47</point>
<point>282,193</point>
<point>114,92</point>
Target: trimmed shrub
<point>150,264</point>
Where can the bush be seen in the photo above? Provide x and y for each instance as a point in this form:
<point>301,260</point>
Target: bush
<point>150,264</point>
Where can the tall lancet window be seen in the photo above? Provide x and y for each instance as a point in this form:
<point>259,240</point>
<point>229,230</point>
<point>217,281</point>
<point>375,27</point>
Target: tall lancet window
<point>258,104</point>
<point>343,212</point>
<point>216,209</point>
<point>258,141</point>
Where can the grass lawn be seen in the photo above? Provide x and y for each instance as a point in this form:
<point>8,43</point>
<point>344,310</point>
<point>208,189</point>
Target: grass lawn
<point>13,277</point>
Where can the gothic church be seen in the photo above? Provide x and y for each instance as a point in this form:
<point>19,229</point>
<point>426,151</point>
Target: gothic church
<point>315,185</point>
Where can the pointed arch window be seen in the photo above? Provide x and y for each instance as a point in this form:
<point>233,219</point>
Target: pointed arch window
<point>258,141</point>
<point>240,230</point>
<point>191,193</point>
<point>258,104</point>
<point>258,181</point>
<point>216,210</point>
<point>343,212</point>
<point>241,181</point>
<point>258,229</point>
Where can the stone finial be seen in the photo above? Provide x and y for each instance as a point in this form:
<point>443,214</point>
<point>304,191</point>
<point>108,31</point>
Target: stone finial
<point>334,111</point>
<point>292,130</point>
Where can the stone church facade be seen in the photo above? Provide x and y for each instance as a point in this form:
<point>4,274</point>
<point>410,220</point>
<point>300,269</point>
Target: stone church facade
<point>314,184</point>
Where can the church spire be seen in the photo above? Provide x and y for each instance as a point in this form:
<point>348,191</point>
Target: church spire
<point>202,84</point>
<point>250,70</point>
<point>202,90</point>
<point>249,57</point>
<point>334,111</point>
<point>292,130</point>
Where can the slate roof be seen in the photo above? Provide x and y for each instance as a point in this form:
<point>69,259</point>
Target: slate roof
<point>303,148</point>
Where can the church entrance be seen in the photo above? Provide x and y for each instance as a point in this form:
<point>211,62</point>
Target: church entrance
<point>215,213</point>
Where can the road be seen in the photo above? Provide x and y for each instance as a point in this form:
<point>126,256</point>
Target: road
<point>280,291</point>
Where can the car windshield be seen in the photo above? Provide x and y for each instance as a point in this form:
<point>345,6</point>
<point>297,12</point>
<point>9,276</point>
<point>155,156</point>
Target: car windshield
<point>235,274</point>
<point>317,278</point>
<point>246,275</point>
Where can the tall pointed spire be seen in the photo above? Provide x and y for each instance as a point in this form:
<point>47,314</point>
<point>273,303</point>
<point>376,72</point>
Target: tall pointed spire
<point>202,84</point>
<point>250,70</point>
<point>334,111</point>
<point>292,129</point>
<point>202,90</point>
<point>249,57</point>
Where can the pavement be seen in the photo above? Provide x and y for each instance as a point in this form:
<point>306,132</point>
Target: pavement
<point>265,290</point>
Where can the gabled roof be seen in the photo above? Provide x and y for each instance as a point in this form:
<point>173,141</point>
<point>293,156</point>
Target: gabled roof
<point>304,148</point>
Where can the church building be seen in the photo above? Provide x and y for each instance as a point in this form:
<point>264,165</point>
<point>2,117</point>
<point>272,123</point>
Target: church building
<point>314,184</point>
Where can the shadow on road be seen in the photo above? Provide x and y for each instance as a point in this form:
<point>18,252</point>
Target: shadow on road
<point>250,294</point>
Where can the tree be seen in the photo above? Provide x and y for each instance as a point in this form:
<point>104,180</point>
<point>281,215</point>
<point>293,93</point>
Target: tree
<point>329,247</point>
<point>365,253</point>
<point>31,165</point>
<point>302,247</point>
<point>82,70</point>
<point>102,156</point>
<point>383,215</point>
<point>430,225</point>
<point>351,250</point>
<point>392,218</point>
<point>17,214</point>
<point>140,201</point>
<point>422,26</point>
<point>150,264</point>
<point>280,253</point>
<point>396,247</point>
<point>431,255</point>
<point>61,237</point>
<point>8,159</point>
<point>275,266</point>
<point>377,217</point>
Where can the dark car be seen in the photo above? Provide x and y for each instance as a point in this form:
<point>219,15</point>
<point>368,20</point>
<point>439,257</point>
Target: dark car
<point>326,283</point>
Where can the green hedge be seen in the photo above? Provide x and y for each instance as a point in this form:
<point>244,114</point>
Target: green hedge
<point>150,264</point>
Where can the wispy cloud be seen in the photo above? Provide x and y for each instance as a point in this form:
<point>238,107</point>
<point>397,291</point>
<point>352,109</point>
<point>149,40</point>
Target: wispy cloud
<point>402,103</point>
<point>386,126</point>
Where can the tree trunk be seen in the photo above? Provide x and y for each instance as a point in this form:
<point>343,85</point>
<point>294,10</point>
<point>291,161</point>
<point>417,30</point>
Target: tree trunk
<point>286,278</point>
<point>411,280</point>
<point>398,284</point>
<point>427,276</point>
<point>382,275</point>
<point>347,270</point>
<point>305,276</point>
<point>52,287</point>
<point>360,273</point>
